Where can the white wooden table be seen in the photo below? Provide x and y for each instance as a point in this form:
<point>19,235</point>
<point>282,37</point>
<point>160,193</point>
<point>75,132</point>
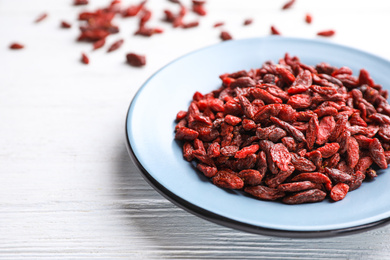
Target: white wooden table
<point>67,186</point>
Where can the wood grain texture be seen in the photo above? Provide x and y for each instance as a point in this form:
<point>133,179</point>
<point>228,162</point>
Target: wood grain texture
<point>68,189</point>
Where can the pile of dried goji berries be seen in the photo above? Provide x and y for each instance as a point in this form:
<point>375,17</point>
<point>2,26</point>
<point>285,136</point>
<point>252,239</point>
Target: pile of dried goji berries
<point>289,131</point>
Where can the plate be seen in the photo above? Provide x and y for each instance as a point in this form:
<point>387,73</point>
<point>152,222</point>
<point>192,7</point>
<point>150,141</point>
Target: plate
<point>150,138</point>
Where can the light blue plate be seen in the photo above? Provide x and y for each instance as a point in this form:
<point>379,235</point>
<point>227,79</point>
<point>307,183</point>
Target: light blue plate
<point>150,135</point>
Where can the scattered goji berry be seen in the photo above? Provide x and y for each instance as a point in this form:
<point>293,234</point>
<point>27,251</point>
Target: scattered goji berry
<point>248,21</point>
<point>16,46</point>
<point>136,60</point>
<point>225,36</point>
<point>327,33</point>
<point>288,4</point>
<point>98,44</point>
<point>84,58</point>
<point>308,18</point>
<point>80,2</point>
<point>198,7</point>
<point>116,45</point>
<point>218,24</point>
<point>41,17</point>
<point>65,25</point>
<point>274,31</point>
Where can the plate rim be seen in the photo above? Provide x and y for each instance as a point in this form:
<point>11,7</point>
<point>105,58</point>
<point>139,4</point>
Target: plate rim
<point>223,220</point>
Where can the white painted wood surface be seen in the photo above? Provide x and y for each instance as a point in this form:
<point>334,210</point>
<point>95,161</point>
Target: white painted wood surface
<point>67,186</point>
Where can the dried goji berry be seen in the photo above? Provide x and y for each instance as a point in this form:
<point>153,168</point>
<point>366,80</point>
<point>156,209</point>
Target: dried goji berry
<point>136,60</point>
<point>251,177</point>
<point>116,45</point>
<point>80,2</point>
<point>337,175</point>
<point>232,120</point>
<point>275,31</point>
<point>296,186</point>
<point>208,171</point>
<point>310,196</point>
<point>16,46</point>
<point>352,152</point>
<point>276,134</point>
<point>327,33</point>
<point>314,177</point>
<point>264,193</point>
<point>244,152</point>
<point>84,58</point>
<point>280,177</point>
<point>41,17</point>
<point>65,25</point>
<point>302,164</point>
<point>308,18</point>
<point>312,132</point>
<point>281,156</point>
<point>225,36</point>
<point>357,179</point>
<point>229,150</point>
<point>264,95</point>
<point>133,10</point>
<point>339,191</point>
<point>248,21</point>
<point>190,24</point>
<point>302,83</point>
<point>299,101</point>
<point>218,24</point>
<point>227,180</point>
<point>288,4</point>
<point>298,135</point>
<point>377,153</point>
<point>185,133</point>
<point>198,7</point>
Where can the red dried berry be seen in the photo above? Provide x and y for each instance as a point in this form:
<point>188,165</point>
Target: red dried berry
<point>327,33</point>
<point>116,45</point>
<point>310,196</point>
<point>133,10</point>
<point>314,177</point>
<point>339,191</point>
<point>308,18</point>
<point>225,36</point>
<point>65,25</point>
<point>377,153</point>
<point>281,156</point>
<point>16,46</point>
<point>80,2</point>
<point>246,151</point>
<point>98,44</point>
<point>228,180</point>
<point>264,193</point>
<point>185,133</point>
<point>84,58</point>
<point>136,60</point>
<point>248,21</point>
<point>275,31</point>
<point>198,7</point>
<point>296,186</point>
<point>190,24</point>
<point>41,17</point>
<point>251,177</point>
<point>288,4</point>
